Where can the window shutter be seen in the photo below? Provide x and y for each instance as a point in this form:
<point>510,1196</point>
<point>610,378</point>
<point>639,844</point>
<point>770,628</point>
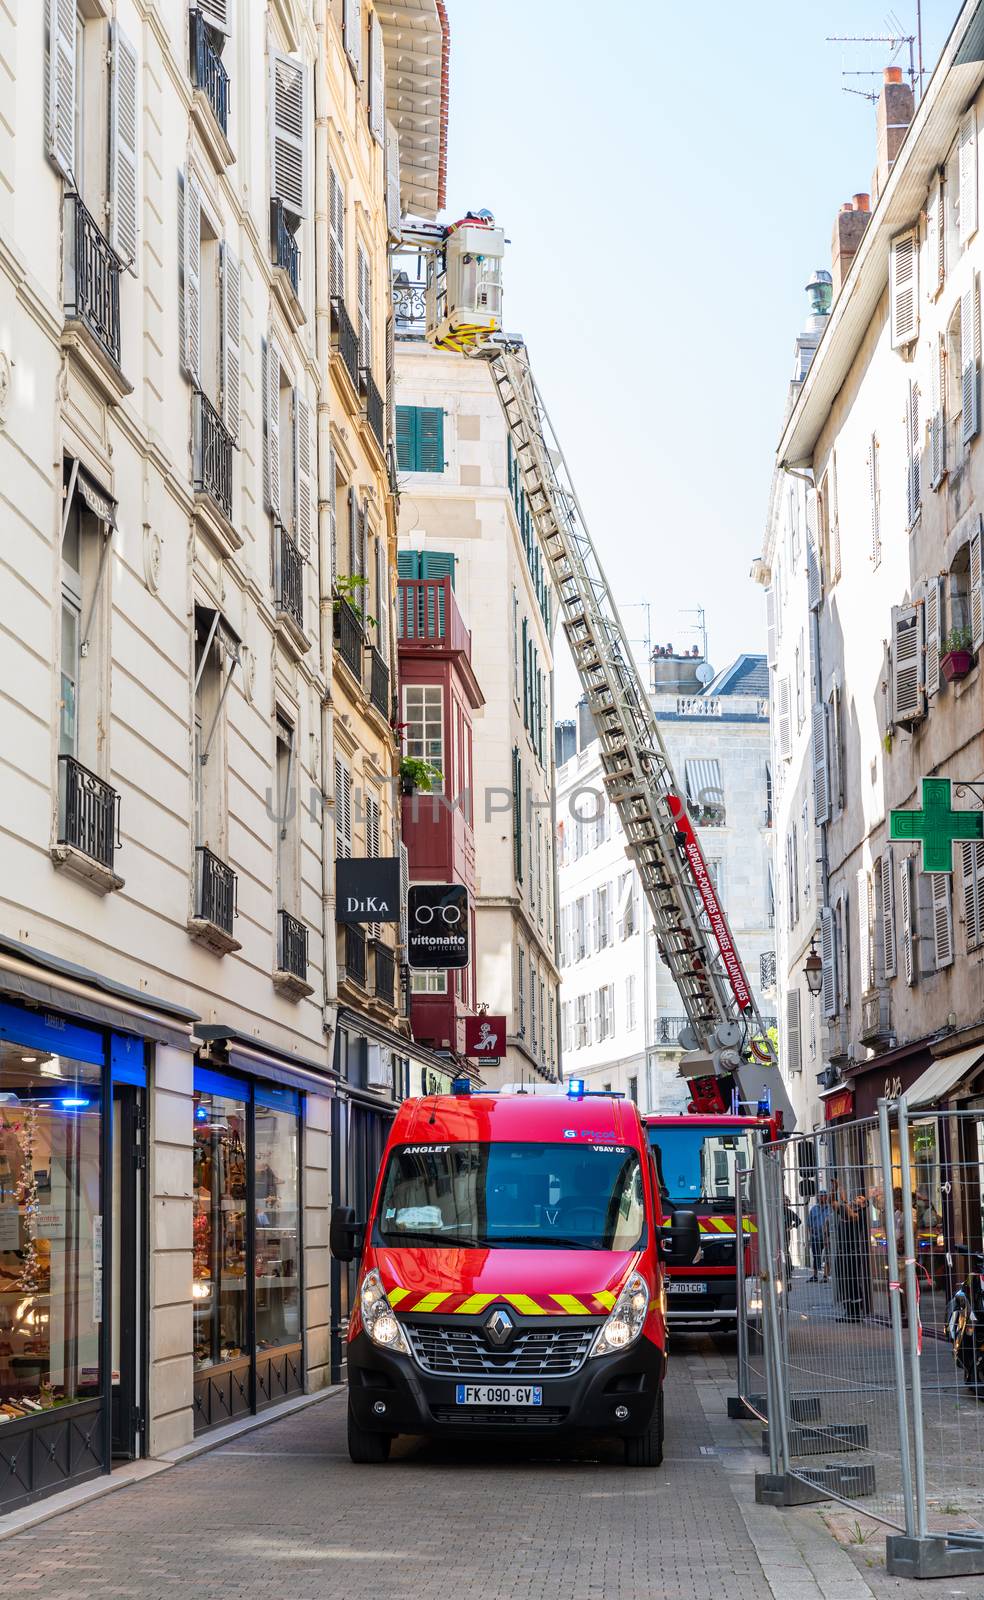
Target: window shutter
<point>785,721</point>
<point>937,430</point>
<point>394,208</point>
<point>437,564</point>
<point>408,564</point>
<point>907,663</point>
<point>864,929</point>
<point>970,347</point>
<point>404,895</point>
<point>288,132</point>
<point>889,953</point>
<point>936,236</point>
<point>969,876</point>
<point>968,176</point>
<point>333,513</point>
<point>216,13</point>
<point>382,597</point>
<point>821,769</point>
<point>976,590</point>
<point>406,454</point>
<point>191,296</point>
<point>302,474</point>
<point>904,286</point>
<point>123,124</point>
<point>231,337</point>
<point>377,81</point>
<point>934,633</point>
<point>833,519</point>
<point>60,84</point>
<point>343,811</point>
<point>874,496</point>
<point>828,953</point>
<point>365,309</point>
<point>336,234</point>
<point>942,919</point>
<point>430,439</point>
<point>354,545</point>
<point>352,34</point>
<point>913,454</point>
<point>770,624</point>
<point>907,893</point>
<point>364,539</point>
<point>271,427</point>
<point>794,1055</point>
<point>814,577</point>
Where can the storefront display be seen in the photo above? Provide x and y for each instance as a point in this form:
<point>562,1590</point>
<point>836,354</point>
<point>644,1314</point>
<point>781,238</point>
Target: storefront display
<point>278,1318</point>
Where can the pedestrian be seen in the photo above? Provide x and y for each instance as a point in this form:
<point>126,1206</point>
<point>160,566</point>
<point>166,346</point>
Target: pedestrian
<point>854,1281</point>
<point>818,1223</point>
<point>790,1221</point>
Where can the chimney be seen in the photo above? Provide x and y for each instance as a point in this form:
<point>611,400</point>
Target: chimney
<point>849,225</point>
<point>586,731</point>
<point>896,107</point>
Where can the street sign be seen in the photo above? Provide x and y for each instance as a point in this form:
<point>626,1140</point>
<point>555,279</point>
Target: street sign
<point>485,1037</point>
<point>367,889</point>
<point>437,926</point>
<point>937,825</point>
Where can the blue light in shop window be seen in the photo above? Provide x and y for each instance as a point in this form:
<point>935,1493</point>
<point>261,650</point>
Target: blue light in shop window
<point>201,1113</point>
<point>73,1102</point>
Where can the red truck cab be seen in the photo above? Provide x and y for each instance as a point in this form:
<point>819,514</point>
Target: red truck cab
<point>696,1157</point>
<point>511,1278</point>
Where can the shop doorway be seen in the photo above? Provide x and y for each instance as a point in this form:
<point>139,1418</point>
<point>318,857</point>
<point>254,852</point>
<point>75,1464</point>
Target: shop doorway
<point>127,1296</point>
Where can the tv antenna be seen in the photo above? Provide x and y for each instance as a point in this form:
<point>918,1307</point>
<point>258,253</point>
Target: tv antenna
<point>895,38</point>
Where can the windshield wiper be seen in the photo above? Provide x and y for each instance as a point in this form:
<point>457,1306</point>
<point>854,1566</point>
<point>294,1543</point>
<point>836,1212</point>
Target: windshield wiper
<point>543,1238</point>
<point>422,1237</point>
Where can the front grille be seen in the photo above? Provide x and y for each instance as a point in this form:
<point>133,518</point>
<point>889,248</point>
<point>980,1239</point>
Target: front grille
<point>531,1353</point>
<point>537,1417</point>
<point>719,1252</point>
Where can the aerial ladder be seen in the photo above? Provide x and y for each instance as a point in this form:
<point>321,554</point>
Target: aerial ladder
<point>729,1059</point>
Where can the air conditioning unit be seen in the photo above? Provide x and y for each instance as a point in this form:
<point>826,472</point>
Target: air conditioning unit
<point>828,1078</point>
<point>876,1019</point>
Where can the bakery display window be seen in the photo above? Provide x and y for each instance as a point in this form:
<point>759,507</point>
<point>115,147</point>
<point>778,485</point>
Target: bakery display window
<point>51,1232</point>
<point>220,1244</point>
<point>276,1210</point>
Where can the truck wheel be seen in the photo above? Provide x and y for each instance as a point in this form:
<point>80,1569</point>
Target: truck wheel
<point>646,1449</point>
<point>367,1449</point>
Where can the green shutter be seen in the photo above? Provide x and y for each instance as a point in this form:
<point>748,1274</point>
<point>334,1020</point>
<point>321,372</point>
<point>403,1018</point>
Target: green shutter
<point>510,463</point>
<point>406,439</point>
<point>526,673</point>
<point>408,564</point>
<point>517,815</point>
<point>437,564</point>
<point>430,439</point>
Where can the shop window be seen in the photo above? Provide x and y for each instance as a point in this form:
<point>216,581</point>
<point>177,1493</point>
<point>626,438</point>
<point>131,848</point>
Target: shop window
<point>220,1258</point>
<point>277,1212</point>
<point>51,1290</point>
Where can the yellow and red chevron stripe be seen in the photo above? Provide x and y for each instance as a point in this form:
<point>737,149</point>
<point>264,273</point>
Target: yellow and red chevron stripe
<point>724,1225</point>
<point>469,1305</point>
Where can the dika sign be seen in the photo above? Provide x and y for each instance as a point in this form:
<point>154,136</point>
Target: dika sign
<point>367,890</point>
<point>437,921</point>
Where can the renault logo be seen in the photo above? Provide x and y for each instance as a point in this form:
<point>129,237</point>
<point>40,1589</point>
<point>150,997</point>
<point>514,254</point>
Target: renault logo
<point>500,1326</point>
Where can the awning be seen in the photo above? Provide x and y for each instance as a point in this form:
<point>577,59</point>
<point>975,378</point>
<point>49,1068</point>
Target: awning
<point>837,1103</point>
<point>942,1076</point>
<point>259,1060</point>
<point>415,53</point>
<point>211,623</point>
<point>100,503</point>
<point>80,993</point>
<point>704,786</point>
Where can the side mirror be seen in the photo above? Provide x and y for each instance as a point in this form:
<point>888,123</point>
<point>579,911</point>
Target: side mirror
<point>681,1238</point>
<point>346,1236</point>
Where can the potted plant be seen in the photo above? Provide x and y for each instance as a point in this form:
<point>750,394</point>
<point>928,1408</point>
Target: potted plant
<point>958,656</point>
<point>416,774</point>
<point>349,588</point>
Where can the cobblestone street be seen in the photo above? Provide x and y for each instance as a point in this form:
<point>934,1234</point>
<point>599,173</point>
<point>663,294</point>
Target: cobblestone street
<point>281,1513</point>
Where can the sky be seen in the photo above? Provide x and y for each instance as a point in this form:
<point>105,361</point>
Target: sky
<point>668,177</point>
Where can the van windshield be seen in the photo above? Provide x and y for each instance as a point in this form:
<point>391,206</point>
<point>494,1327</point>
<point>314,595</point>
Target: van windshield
<point>481,1196</point>
<point>698,1163</point>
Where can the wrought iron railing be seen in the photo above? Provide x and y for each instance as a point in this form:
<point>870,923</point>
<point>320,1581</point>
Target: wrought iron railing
<point>349,637</point>
<point>384,982</point>
<point>290,578</point>
<point>88,812</point>
<point>668,1029</point>
<point>285,250</point>
<point>292,945</point>
<point>355,956</point>
<point>409,306</point>
<point>92,277</point>
<point>207,71</point>
<point>375,410</point>
<point>348,339</point>
<point>215,890</point>
<point>379,682</point>
<point>212,448</point>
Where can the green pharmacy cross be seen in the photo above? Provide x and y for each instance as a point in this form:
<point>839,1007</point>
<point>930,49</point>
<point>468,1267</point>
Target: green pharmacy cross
<point>937,825</point>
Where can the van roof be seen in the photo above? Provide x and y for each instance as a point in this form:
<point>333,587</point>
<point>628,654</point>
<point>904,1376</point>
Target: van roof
<point>442,1119</point>
<point>708,1119</point>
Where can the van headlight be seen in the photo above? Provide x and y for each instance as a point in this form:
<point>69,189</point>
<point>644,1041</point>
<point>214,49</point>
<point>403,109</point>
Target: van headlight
<point>625,1320</point>
<point>378,1316</point>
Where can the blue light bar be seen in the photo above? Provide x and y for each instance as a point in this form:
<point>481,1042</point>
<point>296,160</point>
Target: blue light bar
<point>73,1102</point>
<point>461,1086</point>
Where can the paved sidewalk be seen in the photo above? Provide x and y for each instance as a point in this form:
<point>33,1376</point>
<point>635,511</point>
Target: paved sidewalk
<point>282,1514</point>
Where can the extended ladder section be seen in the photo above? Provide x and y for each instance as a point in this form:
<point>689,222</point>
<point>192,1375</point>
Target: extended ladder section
<point>693,936</point>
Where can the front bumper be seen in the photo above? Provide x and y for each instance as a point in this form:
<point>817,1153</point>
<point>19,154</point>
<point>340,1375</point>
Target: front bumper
<point>416,1401</point>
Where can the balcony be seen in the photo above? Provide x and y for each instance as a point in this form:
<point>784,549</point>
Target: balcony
<point>409,306</point>
<point>92,300</point>
<point>215,903</point>
<point>286,254</point>
<point>212,449</point>
<point>379,683</point>
<point>349,638</point>
<point>375,410</point>
<point>88,826</point>
<point>207,72</point>
<point>355,956</point>
<point>292,957</point>
<point>384,974</point>
<point>427,614</point>
<point>668,1029</point>
<point>347,340</point>
<point>290,580</point>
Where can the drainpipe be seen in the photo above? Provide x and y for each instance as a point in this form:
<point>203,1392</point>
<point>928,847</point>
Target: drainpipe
<point>325,532</point>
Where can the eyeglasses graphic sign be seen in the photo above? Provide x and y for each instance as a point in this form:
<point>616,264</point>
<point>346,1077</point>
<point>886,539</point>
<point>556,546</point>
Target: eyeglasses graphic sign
<point>437,926</point>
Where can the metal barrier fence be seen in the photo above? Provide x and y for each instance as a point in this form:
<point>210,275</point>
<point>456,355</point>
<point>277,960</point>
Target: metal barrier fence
<point>861,1327</point>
